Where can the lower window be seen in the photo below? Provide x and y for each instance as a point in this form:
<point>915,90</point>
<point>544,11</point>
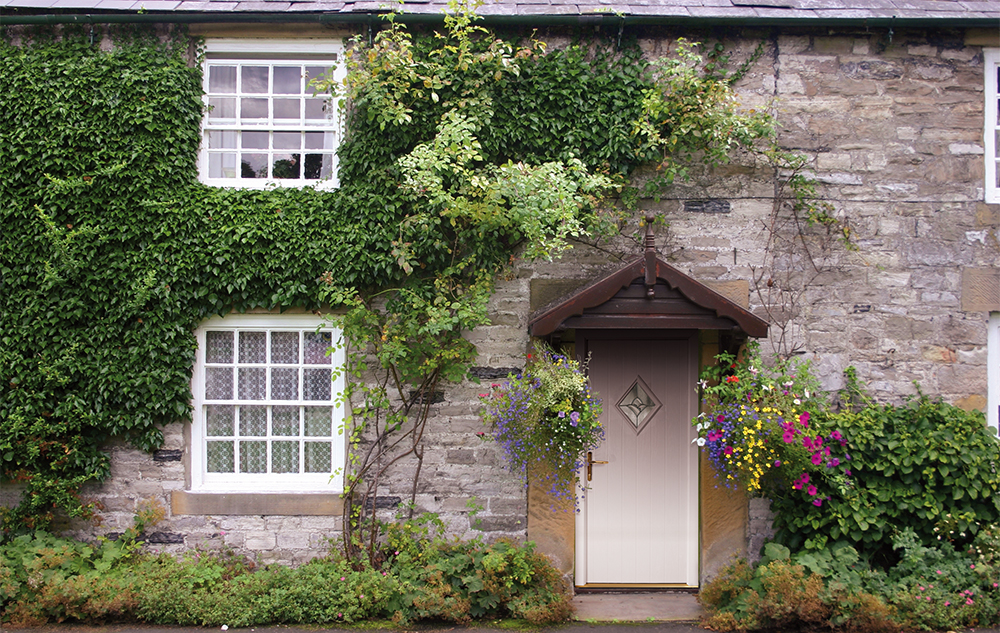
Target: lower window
<point>266,413</point>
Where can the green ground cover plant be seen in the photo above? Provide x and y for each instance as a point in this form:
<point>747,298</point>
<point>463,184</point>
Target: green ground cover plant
<point>422,576</point>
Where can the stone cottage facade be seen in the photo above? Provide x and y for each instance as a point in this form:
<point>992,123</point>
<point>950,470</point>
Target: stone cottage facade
<point>895,104</point>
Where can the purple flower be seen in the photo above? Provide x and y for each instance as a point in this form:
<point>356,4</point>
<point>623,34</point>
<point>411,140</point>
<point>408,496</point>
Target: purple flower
<point>562,414</point>
<point>574,418</point>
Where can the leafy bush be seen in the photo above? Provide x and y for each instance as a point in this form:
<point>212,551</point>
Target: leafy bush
<point>911,466</point>
<point>44,578</point>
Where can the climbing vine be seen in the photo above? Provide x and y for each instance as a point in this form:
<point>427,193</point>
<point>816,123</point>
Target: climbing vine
<point>463,149</point>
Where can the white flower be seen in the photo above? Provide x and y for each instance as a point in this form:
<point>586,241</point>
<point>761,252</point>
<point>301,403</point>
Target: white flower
<point>807,393</point>
<point>767,388</point>
<point>789,383</point>
<point>797,401</point>
<point>700,441</point>
<point>703,384</point>
<point>753,370</point>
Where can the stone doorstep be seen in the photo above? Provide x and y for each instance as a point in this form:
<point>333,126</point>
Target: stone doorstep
<point>637,607</point>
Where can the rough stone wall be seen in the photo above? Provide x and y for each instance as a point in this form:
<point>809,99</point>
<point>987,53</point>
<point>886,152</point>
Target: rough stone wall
<point>892,123</point>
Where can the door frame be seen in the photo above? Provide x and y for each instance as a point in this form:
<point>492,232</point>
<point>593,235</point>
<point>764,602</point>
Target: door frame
<point>693,571</point>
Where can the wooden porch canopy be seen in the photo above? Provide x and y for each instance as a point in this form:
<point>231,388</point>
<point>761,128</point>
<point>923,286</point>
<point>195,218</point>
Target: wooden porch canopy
<point>647,293</point>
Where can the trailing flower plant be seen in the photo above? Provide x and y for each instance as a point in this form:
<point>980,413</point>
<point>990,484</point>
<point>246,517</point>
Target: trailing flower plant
<point>758,429</point>
<point>546,419</point>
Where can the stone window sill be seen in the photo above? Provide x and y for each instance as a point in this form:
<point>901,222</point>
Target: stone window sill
<point>244,504</point>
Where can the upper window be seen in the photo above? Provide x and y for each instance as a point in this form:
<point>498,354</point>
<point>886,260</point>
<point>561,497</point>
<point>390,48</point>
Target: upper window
<point>266,417</point>
<point>992,129</point>
<point>266,124</point>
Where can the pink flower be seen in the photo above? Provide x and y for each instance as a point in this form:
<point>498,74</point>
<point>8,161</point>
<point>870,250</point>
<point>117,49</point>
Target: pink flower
<point>777,463</point>
<point>804,478</point>
<point>788,437</point>
<point>729,450</point>
<point>947,604</point>
<point>342,578</point>
<point>812,491</point>
<point>972,566</point>
<point>817,502</point>
<point>816,459</point>
<point>939,571</point>
<point>968,601</point>
<point>804,418</point>
<point>835,462</point>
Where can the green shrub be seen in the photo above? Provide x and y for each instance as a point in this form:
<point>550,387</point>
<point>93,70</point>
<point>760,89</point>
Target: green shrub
<point>910,466</point>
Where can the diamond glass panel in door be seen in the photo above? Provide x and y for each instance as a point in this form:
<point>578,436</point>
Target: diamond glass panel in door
<point>638,404</point>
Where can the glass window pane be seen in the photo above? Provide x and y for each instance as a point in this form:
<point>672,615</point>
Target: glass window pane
<point>284,384</point>
<point>290,109</point>
<point>219,347</point>
<point>318,422</point>
<point>287,80</point>
<point>319,140</point>
<point>319,166</point>
<point>222,79</point>
<point>219,420</point>
<point>255,79</point>
<point>218,383</point>
<point>220,457</point>
<point>317,457</point>
<point>287,140</point>
<point>253,420</point>
<point>222,110</point>
<point>316,346</point>
<point>253,165</point>
<point>252,385</point>
<point>253,457</point>
<point>315,112</point>
<point>317,384</point>
<point>286,166</point>
<point>285,457</point>
<point>253,347</point>
<point>314,72</point>
<point>284,347</point>
<point>284,420</point>
<point>222,165</point>
<point>253,109</point>
<point>222,139</point>
<point>254,140</point>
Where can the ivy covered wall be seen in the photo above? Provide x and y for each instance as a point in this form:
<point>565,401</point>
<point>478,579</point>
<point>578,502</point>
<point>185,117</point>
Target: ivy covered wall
<point>112,252</point>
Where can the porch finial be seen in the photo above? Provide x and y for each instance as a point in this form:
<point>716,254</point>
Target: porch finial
<point>650,257</point>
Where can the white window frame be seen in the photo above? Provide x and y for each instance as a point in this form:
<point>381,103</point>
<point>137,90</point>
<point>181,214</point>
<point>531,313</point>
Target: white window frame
<point>993,371</point>
<point>227,51</point>
<point>991,127</point>
<point>201,479</point>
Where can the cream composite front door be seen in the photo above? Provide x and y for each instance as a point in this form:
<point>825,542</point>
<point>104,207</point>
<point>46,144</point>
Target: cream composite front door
<point>638,522</point>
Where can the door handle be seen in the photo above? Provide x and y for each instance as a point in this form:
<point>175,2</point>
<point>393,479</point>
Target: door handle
<point>590,464</point>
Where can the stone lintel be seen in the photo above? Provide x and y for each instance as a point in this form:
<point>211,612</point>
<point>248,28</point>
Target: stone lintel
<point>243,504</point>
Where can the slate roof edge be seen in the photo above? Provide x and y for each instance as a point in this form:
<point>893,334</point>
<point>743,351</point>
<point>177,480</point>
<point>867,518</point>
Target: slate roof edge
<point>38,15</point>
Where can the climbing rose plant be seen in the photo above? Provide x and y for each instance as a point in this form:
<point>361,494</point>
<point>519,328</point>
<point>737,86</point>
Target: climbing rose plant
<point>758,430</point>
<point>545,420</point>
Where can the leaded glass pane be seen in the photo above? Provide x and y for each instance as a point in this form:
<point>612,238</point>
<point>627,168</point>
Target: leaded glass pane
<point>253,420</point>
<point>317,343</point>
<point>252,383</point>
<point>316,384</point>
<point>220,457</point>
<point>284,384</point>
<point>317,457</point>
<point>285,457</point>
<point>284,347</point>
<point>253,346</point>
<point>284,421</point>
<point>219,420</point>
<point>318,422</point>
<point>218,347</point>
<point>253,457</point>
<point>218,383</point>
